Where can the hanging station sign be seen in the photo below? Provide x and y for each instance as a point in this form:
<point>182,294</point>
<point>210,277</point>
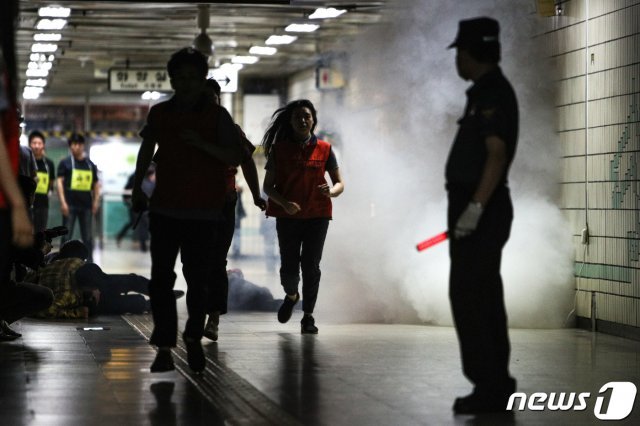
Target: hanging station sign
<point>134,80</point>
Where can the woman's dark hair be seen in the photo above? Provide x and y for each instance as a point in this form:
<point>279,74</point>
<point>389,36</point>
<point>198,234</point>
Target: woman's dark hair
<point>214,85</point>
<point>280,126</point>
<point>187,56</point>
<point>37,134</point>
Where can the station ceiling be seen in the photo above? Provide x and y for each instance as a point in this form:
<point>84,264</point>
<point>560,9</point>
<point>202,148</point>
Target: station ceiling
<point>100,35</point>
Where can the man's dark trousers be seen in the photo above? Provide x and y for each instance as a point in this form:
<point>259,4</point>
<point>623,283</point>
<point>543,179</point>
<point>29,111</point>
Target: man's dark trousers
<point>476,293</point>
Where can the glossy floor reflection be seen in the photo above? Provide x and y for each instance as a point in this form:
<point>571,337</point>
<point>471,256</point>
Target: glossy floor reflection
<point>263,372</point>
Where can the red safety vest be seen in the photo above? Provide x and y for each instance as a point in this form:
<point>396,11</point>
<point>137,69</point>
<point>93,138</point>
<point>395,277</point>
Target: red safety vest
<point>299,170</point>
<point>11,132</point>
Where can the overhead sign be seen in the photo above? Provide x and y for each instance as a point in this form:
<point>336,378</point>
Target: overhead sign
<point>139,80</point>
<point>157,79</point>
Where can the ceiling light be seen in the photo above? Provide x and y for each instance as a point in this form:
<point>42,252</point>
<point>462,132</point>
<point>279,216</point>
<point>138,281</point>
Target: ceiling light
<point>51,24</point>
<point>323,13</point>
<point>44,47</point>
<point>229,65</point>
<point>302,28</point>
<point>33,72</point>
<point>32,92</point>
<point>39,65</point>
<point>262,50</point>
<point>281,39</point>
<point>38,82</point>
<point>244,59</point>
<point>47,37</point>
<point>54,12</point>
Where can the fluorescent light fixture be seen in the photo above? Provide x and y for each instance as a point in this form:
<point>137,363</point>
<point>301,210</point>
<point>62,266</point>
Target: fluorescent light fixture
<point>39,65</point>
<point>151,96</point>
<point>238,59</point>
<point>302,28</point>
<point>32,72</point>
<point>37,82</point>
<point>44,47</point>
<point>51,24</point>
<point>47,37</point>
<point>230,66</point>
<point>324,13</point>
<point>32,92</point>
<point>262,50</point>
<point>54,12</point>
<point>281,39</point>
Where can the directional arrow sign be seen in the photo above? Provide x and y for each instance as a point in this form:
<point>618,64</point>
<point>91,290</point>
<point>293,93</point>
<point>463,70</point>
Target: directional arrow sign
<point>226,76</point>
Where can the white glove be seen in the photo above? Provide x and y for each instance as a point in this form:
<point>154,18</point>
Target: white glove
<point>468,221</point>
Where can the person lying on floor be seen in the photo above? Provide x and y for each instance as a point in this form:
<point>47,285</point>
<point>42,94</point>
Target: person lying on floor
<point>81,289</point>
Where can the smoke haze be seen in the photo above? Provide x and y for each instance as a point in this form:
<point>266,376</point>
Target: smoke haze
<point>396,120</point>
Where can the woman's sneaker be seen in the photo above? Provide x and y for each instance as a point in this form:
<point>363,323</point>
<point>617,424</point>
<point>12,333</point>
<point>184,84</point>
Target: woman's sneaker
<point>308,325</point>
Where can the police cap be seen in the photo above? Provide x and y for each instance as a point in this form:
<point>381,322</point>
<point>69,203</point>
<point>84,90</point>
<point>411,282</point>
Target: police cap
<point>477,32</point>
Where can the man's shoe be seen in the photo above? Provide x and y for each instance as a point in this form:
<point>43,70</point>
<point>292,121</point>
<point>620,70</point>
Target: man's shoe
<point>211,328</point>
<point>7,331</point>
<point>480,403</point>
<point>163,362</point>
<point>178,294</point>
<point>308,325</point>
<point>286,309</point>
<point>195,354</point>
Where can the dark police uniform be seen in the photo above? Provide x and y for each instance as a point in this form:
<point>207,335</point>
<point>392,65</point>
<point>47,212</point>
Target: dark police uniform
<point>475,286</point>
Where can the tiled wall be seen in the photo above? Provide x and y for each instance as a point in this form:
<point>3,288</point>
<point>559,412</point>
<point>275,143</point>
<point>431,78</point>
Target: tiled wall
<point>596,47</point>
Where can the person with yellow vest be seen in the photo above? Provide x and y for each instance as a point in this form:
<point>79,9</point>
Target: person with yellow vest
<point>46,178</point>
<point>300,200</point>
<point>79,191</point>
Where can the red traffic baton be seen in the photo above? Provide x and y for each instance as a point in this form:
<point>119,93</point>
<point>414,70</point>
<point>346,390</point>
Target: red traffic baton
<point>430,242</point>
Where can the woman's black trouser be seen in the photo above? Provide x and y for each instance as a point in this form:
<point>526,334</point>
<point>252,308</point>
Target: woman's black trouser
<point>301,242</point>
<point>219,289</point>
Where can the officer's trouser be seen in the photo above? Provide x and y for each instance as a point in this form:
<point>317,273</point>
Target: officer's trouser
<point>475,291</point>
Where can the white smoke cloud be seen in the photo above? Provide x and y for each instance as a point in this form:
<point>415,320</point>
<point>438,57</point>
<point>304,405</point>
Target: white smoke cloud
<point>396,121</point>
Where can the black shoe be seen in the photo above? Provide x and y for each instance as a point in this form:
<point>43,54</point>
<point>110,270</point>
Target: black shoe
<point>163,362</point>
<point>8,332</point>
<point>195,354</point>
<point>178,294</point>
<point>308,325</point>
<point>286,309</point>
<point>476,403</point>
<point>211,328</point>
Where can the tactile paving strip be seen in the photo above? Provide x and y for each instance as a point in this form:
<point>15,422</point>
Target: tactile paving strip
<point>235,398</point>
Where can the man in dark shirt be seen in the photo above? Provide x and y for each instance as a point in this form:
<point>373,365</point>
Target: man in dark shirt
<point>185,209</point>
<point>479,216</point>
<point>46,177</point>
<point>79,191</point>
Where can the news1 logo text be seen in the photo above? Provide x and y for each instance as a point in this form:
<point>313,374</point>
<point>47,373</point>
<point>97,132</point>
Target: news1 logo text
<point>614,405</point>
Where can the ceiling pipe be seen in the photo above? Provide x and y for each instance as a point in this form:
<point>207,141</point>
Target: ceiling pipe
<point>202,42</point>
